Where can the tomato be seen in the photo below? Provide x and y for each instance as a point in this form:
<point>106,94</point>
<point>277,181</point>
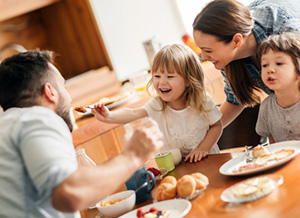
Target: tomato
<point>153,209</point>
<point>140,212</point>
<point>154,171</point>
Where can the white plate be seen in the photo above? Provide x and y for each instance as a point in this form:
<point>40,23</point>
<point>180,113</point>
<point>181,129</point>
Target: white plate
<point>177,207</point>
<point>228,195</point>
<point>233,164</point>
<point>110,106</point>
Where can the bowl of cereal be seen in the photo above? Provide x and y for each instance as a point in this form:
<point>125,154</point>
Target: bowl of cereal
<point>117,204</point>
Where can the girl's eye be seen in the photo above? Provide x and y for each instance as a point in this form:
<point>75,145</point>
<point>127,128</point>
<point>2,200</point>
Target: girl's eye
<point>170,76</point>
<point>279,63</point>
<point>156,76</point>
<point>264,65</point>
<point>207,51</point>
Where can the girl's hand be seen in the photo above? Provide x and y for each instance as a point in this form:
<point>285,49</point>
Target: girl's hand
<point>196,156</point>
<point>101,112</point>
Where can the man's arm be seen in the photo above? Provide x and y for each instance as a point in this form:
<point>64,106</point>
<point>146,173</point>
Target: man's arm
<point>87,186</point>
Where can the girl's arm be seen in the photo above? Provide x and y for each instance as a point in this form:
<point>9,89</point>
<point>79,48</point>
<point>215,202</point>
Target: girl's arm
<point>124,115</point>
<point>213,134</point>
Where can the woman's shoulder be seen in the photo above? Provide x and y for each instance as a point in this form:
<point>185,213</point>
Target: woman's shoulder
<point>276,15</point>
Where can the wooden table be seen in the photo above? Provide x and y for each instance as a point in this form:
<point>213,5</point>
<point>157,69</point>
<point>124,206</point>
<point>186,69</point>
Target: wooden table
<point>282,202</point>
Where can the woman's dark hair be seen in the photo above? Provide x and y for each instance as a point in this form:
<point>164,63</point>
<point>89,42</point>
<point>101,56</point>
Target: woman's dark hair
<point>223,19</point>
<point>22,78</point>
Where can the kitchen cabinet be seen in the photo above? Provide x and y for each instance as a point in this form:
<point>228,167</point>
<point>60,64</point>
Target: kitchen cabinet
<point>67,27</point>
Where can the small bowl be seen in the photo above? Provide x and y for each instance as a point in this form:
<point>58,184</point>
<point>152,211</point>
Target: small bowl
<point>119,208</point>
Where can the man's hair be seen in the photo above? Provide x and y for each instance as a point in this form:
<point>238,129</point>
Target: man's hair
<point>22,78</point>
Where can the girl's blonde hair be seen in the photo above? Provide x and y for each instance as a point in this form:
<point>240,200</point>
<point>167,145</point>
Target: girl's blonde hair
<point>181,59</point>
<point>223,19</point>
<point>287,42</point>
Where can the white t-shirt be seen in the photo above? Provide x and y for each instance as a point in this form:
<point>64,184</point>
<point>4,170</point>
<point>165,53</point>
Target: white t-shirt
<point>184,129</point>
<point>37,154</point>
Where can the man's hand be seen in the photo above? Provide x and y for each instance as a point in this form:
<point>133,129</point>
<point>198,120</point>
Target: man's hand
<point>145,141</point>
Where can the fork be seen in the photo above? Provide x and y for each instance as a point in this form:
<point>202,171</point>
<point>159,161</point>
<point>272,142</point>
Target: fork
<point>249,159</point>
<point>89,107</point>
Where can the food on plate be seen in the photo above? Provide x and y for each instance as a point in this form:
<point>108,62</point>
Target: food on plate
<point>249,167</point>
<point>113,99</point>
<point>281,154</point>
<point>254,186</point>
<point>154,170</point>
<point>165,191</point>
<point>152,213</point>
<point>186,186</point>
<point>201,180</point>
<point>169,179</point>
<point>107,203</point>
<point>80,109</point>
<point>259,151</point>
<point>278,155</point>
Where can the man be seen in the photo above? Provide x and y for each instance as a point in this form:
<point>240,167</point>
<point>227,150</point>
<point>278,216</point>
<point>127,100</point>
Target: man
<point>38,168</point>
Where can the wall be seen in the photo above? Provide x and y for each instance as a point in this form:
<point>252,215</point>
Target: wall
<point>125,24</point>
<point>189,9</point>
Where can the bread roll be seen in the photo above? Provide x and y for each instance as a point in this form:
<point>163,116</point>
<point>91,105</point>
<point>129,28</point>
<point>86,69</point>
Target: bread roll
<point>165,191</point>
<point>186,186</point>
<point>201,180</point>
<point>169,179</point>
<point>259,151</point>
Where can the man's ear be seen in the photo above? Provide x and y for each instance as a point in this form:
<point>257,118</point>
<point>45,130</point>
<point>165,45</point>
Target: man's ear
<point>237,39</point>
<point>50,93</point>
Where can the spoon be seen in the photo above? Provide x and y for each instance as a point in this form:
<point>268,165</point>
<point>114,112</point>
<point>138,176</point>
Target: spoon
<point>142,186</point>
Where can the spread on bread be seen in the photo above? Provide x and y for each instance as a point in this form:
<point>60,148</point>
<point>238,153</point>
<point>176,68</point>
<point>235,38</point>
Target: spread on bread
<point>152,213</point>
<point>185,187</point>
<point>254,186</point>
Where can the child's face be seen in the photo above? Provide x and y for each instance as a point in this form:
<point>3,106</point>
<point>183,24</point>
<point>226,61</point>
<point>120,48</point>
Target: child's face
<point>278,71</point>
<point>170,87</point>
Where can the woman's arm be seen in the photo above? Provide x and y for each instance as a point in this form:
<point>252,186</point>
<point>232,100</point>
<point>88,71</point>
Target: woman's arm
<point>230,112</point>
<point>213,134</point>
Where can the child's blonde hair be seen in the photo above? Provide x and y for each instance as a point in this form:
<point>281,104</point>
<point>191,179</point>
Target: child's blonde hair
<point>181,59</point>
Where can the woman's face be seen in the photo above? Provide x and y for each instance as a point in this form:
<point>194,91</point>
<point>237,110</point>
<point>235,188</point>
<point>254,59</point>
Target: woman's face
<point>219,53</point>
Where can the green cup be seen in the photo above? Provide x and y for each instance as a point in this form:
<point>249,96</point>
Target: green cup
<point>164,160</point>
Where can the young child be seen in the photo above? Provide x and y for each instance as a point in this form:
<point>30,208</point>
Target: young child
<point>279,114</point>
<point>185,113</point>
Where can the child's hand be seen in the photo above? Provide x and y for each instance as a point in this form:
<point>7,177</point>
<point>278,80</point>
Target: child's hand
<point>101,112</point>
<point>196,156</point>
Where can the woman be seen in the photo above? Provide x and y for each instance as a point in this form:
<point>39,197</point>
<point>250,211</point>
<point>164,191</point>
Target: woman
<point>229,33</point>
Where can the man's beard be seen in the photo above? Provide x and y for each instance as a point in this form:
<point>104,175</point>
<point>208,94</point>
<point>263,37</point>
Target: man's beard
<point>64,112</point>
